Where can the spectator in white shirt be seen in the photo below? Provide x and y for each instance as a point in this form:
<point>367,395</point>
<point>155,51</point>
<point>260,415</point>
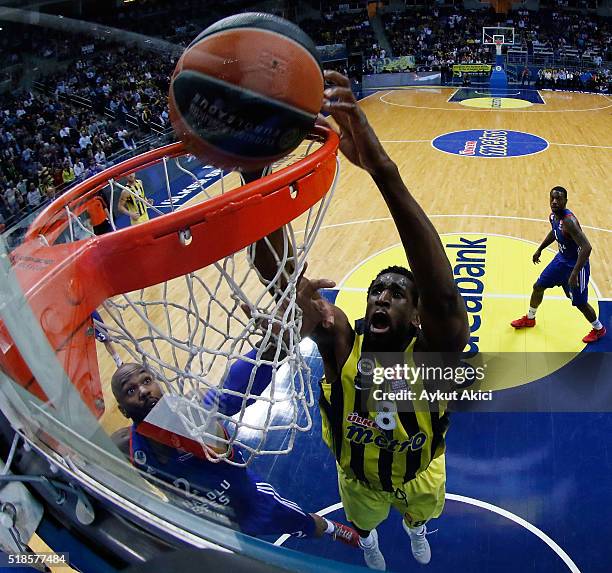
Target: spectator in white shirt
<point>84,140</point>
<point>100,157</point>
<point>79,168</point>
<point>126,140</point>
<point>22,187</point>
<point>11,200</point>
<point>34,196</point>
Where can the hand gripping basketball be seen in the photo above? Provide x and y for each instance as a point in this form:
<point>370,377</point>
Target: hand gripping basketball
<point>358,142</point>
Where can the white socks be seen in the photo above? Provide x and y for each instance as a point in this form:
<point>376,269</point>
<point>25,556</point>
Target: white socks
<point>596,324</point>
<point>117,360</point>
<point>330,527</point>
<point>367,542</point>
<point>531,312</point>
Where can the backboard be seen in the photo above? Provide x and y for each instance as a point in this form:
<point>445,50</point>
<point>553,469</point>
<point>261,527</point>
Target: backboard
<point>491,36</point>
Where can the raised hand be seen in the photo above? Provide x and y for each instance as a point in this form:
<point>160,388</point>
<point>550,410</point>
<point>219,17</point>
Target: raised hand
<point>358,142</point>
<point>315,309</point>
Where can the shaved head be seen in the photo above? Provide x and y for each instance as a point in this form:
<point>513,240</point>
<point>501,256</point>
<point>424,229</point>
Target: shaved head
<point>136,390</point>
<point>122,375</point>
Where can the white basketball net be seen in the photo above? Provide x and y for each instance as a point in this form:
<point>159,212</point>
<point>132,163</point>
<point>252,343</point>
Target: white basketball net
<point>192,330</point>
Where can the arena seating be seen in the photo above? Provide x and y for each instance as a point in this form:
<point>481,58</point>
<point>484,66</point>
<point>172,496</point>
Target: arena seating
<point>94,100</point>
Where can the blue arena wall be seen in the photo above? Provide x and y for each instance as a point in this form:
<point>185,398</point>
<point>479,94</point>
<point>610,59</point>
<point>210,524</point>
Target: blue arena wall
<point>382,81</point>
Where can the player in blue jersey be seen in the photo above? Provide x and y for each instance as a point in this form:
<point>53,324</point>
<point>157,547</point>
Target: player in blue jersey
<point>254,505</point>
<point>569,269</point>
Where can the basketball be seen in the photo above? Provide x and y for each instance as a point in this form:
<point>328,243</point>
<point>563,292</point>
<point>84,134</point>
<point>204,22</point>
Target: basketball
<point>246,91</point>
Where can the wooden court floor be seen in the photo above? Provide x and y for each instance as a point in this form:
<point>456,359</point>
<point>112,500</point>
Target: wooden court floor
<point>493,195</point>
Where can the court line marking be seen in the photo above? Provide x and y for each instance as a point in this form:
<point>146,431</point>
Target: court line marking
<point>524,296</point>
<point>347,275</point>
<point>549,143</point>
<point>370,95</point>
<point>583,145</point>
<point>518,93</point>
<point>559,551</point>
<point>539,95</point>
<point>405,88</point>
<point>489,94</point>
<point>461,216</point>
<point>405,140</point>
<point>467,109</point>
<point>544,102</point>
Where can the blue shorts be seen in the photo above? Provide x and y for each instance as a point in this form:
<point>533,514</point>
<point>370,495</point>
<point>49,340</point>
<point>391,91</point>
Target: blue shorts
<point>267,513</point>
<point>99,330</point>
<point>557,273</point>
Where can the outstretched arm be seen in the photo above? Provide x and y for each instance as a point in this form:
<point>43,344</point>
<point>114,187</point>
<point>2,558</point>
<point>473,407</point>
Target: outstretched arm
<point>441,308</point>
<point>325,323</point>
<point>269,251</point>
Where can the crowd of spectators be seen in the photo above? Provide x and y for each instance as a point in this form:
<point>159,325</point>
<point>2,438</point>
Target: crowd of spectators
<point>567,79</point>
<point>122,80</point>
<point>105,94</point>
<point>99,99</point>
<point>562,31</point>
<point>439,36</point>
<point>452,35</point>
<point>50,138</point>
<point>47,144</point>
<point>352,29</point>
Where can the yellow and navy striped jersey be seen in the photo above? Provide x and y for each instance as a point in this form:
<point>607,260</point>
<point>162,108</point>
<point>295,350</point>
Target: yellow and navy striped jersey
<point>383,459</point>
<point>137,205</point>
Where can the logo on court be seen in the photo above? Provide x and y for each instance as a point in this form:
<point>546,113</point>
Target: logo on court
<point>494,275</point>
<point>490,143</point>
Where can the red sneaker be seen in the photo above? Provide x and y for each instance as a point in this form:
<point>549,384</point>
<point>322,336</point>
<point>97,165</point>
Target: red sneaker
<point>523,322</point>
<point>345,534</point>
<point>595,335</point>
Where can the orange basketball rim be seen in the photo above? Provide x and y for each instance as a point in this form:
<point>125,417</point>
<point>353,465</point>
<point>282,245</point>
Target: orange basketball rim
<point>64,283</point>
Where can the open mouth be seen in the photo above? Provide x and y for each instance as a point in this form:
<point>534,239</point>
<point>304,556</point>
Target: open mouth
<point>151,403</point>
<point>380,323</point>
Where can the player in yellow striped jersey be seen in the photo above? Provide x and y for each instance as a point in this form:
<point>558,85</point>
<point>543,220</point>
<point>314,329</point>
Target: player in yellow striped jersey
<point>134,203</point>
<point>398,460</point>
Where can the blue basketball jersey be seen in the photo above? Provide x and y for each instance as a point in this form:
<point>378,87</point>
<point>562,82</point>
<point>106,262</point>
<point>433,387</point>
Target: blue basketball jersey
<point>209,483</point>
<point>568,249</point>
<point>254,505</point>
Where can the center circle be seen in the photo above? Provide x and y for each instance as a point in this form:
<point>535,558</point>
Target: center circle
<point>490,143</point>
